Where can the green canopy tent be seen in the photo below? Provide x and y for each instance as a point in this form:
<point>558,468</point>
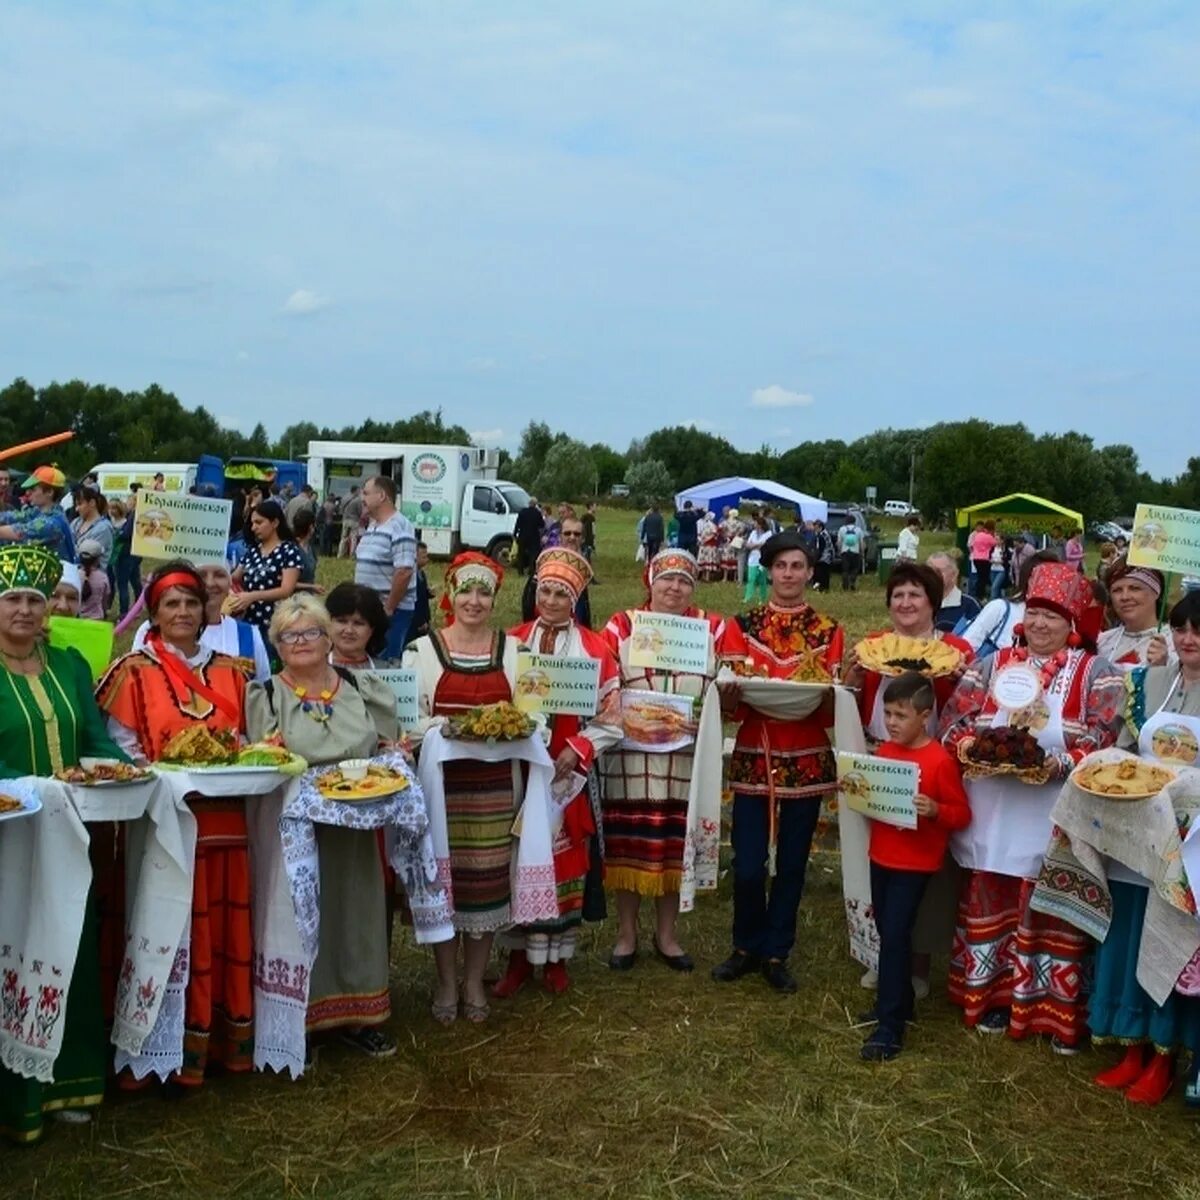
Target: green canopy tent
<point>1014,514</point>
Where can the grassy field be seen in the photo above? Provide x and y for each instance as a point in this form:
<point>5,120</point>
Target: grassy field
<point>644,1085</point>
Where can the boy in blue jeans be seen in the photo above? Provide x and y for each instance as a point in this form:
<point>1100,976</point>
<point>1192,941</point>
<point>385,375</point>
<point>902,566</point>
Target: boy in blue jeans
<point>903,860</point>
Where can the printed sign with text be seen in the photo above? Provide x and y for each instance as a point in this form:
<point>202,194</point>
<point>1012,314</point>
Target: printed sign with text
<point>1166,539</point>
<point>403,682</point>
<point>548,684</point>
<point>662,642</point>
<point>174,526</point>
<point>879,788</point>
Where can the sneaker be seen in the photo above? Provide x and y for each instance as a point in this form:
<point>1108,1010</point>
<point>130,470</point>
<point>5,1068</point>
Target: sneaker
<point>1058,1046</point>
<point>869,980</point>
<point>994,1022</point>
<point>370,1042</point>
<point>735,966</point>
<point>73,1116</point>
<point>920,988</point>
<point>775,972</point>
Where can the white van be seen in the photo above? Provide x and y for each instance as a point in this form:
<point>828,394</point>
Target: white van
<point>898,508</point>
<point>115,478</point>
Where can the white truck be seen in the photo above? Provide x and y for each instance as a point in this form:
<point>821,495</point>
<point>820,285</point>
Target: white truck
<point>450,493</point>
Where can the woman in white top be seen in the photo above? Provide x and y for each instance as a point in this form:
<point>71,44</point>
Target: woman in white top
<point>757,585</point>
<point>1139,639</point>
<point>993,629</point>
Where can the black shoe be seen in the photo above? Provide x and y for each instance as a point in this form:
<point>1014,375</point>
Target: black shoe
<point>775,972</point>
<point>879,1048</point>
<point>677,962</point>
<point>871,1017</point>
<point>735,966</point>
<point>622,962</point>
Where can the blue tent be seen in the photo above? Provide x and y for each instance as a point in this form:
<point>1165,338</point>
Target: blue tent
<point>741,492</point>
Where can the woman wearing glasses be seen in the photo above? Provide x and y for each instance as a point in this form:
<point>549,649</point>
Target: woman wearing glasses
<point>570,535</point>
<point>326,714</point>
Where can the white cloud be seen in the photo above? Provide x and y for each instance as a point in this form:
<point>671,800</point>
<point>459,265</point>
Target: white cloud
<point>488,437</point>
<point>302,303</point>
<point>775,396</point>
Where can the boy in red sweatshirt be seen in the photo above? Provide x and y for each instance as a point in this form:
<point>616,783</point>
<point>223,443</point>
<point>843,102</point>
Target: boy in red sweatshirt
<point>903,860</point>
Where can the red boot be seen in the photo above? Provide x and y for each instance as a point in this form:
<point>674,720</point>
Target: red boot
<point>1125,1072</point>
<point>1154,1082</point>
<point>555,978</point>
<point>519,971</point>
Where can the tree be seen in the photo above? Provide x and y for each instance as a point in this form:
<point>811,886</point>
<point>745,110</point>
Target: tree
<point>568,472</point>
<point>536,440</point>
<point>648,481</point>
<point>967,461</point>
<point>692,456</point>
<point>610,467</point>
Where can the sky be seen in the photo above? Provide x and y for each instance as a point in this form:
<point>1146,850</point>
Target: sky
<point>778,222</point>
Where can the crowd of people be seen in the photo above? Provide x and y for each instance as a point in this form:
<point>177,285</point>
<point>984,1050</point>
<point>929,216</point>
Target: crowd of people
<point>529,838</point>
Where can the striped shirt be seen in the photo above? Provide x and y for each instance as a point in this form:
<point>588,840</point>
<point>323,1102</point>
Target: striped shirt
<point>385,548</point>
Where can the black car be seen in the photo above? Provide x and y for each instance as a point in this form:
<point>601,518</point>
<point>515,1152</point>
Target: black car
<point>868,533</point>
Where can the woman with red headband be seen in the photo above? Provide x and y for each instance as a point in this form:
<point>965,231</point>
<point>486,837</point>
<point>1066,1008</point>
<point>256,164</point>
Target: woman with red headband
<point>1013,969</point>
<point>575,742</point>
<point>469,663</point>
<point>173,684</point>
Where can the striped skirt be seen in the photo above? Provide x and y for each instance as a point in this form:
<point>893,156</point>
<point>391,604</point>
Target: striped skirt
<point>1007,956</point>
<point>480,811</point>
<point>645,821</point>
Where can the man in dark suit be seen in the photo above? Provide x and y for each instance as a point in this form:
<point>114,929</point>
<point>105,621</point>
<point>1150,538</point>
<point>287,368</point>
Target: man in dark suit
<point>528,533</point>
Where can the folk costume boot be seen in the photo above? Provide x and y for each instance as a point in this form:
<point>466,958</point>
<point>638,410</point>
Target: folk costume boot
<point>1126,1071</point>
<point>1154,1082</point>
<point>555,978</point>
<point>518,973</point>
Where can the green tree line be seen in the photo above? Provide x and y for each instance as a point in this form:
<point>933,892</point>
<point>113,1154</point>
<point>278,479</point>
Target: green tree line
<point>951,463</point>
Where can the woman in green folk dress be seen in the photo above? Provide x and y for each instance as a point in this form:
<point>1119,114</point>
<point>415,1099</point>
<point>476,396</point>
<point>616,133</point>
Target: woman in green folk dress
<point>48,720</point>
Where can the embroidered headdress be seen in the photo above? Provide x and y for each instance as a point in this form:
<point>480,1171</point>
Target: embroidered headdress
<point>1060,588</point>
<point>673,562</point>
<point>468,571</point>
<point>568,568</point>
<point>29,569</point>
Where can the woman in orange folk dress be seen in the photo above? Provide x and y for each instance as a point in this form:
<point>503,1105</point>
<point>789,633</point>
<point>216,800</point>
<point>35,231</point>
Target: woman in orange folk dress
<point>149,696</point>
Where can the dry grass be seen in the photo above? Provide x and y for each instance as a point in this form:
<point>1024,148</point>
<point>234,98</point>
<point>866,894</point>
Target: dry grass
<point>646,1085</point>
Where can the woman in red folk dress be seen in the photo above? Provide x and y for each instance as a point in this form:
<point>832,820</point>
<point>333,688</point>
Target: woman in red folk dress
<point>173,684</point>
<point>914,597</point>
<point>780,769</point>
<point>575,742</point>
<point>645,792</point>
<point>1013,969</point>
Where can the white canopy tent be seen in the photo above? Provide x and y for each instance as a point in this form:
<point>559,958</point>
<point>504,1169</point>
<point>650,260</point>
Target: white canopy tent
<point>741,492</point>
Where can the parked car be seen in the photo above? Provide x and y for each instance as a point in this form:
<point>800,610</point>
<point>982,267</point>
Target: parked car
<point>1106,531</point>
<point>619,489</point>
<point>868,533</point>
<point>898,508</point>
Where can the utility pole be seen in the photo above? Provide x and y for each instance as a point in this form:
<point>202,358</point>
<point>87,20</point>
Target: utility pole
<point>912,475</point>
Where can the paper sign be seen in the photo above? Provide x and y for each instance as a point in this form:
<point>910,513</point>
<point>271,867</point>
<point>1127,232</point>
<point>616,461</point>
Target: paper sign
<point>656,722</point>
<point>879,788</point>
<point>549,684</point>
<point>662,642</point>
<point>1167,539</point>
<point>93,639</point>
<point>403,682</point>
<point>170,526</point>
<point>1016,687</point>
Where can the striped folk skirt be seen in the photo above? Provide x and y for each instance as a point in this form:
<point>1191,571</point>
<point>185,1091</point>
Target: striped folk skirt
<point>645,821</point>
<point>1007,956</point>
<point>480,811</point>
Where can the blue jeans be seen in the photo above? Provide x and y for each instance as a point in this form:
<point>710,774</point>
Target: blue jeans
<point>398,632</point>
<point>129,582</point>
<point>765,925</point>
<point>998,578</point>
<point>896,896</point>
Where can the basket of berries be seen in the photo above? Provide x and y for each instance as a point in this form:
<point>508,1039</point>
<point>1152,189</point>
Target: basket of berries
<point>1007,750</point>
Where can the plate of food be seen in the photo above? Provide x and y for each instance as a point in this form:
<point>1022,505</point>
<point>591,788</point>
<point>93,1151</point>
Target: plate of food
<point>103,772</point>
<point>657,721</point>
<point>218,751</point>
<point>893,654</point>
<point>12,807</point>
<point>1124,778</point>
<point>356,781</point>
<point>500,722</point>
<point>1007,750</point>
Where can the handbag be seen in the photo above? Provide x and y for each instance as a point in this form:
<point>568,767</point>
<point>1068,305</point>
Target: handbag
<point>737,543</point>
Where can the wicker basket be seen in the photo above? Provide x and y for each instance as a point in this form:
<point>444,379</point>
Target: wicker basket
<point>974,769</point>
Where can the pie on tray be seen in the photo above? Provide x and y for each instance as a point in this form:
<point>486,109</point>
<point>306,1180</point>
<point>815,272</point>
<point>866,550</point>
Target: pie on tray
<point>379,781</point>
<point>1122,779</point>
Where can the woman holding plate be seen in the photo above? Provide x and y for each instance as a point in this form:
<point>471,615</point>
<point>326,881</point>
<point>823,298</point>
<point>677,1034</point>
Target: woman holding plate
<point>325,715</point>
<point>646,792</point>
<point>153,697</point>
<point>48,720</point>
<point>1162,725</point>
<point>1015,970</point>
<point>466,664</point>
<point>575,743</point>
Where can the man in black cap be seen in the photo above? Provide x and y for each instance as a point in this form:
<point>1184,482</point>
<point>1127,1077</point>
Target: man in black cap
<point>780,769</point>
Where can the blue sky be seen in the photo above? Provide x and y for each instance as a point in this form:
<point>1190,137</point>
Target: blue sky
<point>777,221</point>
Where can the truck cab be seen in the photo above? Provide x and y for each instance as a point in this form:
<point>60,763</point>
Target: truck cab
<point>489,516</point>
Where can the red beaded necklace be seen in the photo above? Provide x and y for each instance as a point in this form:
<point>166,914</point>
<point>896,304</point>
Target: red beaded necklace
<point>1049,668</point>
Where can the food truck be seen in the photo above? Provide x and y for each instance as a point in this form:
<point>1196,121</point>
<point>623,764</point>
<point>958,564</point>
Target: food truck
<point>450,493</point>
